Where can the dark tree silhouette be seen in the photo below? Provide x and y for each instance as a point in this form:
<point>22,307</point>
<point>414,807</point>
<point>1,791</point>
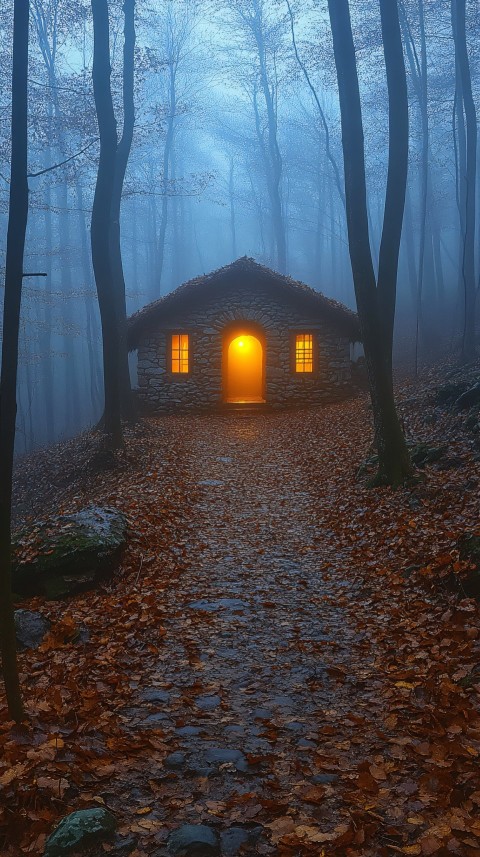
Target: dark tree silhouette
<point>17,225</point>
<point>101,222</point>
<point>123,153</point>
<point>375,299</point>
<point>469,178</point>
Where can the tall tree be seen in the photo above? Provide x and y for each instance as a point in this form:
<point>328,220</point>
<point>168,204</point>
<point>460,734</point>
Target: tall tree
<point>328,149</point>
<point>466,102</point>
<point>254,20</point>
<point>101,222</point>
<point>255,42</point>
<point>121,162</point>
<point>419,74</point>
<point>17,226</point>
<point>375,298</point>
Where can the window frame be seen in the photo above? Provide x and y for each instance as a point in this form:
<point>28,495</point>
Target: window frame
<point>169,352</point>
<point>293,352</point>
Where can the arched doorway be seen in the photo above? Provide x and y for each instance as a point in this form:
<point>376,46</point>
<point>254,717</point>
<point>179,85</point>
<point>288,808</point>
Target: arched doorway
<point>244,375</point>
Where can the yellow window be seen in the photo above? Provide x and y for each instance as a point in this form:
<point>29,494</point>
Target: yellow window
<point>180,353</point>
<point>304,352</point>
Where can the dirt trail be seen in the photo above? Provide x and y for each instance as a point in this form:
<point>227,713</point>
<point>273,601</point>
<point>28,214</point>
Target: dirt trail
<point>264,666</point>
<point>296,667</point>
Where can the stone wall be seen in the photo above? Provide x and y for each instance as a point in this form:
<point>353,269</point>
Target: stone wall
<point>207,324</point>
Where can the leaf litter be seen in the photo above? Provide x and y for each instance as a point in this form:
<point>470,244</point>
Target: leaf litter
<point>265,657</point>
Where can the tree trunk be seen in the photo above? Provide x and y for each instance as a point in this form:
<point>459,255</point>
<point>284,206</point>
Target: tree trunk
<point>419,72</point>
<point>394,464</point>
<point>95,380</point>
<point>123,153</point>
<point>101,219</point>
<point>17,225</point>
<point>71,397</point>
<point>274,157</point>
<point>395,195</point>
<point>470,176</point>
<point>172,106</point>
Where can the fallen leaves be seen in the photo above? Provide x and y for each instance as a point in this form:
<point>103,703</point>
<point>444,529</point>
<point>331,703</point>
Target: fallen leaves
<point>350,685</point>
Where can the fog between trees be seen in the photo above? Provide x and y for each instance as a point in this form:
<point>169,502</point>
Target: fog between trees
<point>236,151</point>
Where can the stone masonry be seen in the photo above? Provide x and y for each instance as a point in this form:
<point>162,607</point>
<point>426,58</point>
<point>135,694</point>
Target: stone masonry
<point>208,322</point>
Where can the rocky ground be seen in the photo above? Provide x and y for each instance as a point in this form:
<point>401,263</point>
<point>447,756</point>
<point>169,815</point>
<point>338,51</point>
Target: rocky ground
<point>287,658</point>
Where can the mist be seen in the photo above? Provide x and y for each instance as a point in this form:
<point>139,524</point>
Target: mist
<point>206,183</point>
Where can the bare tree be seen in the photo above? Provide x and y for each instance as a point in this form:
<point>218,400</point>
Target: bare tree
<point>121,162</point>
<point>466,105</point>
<point>17,226</point>
<point>176,40</point>
<point>375,299</point>
<point>101,222</point>
<point>257,30</point>
<point>418,63</point>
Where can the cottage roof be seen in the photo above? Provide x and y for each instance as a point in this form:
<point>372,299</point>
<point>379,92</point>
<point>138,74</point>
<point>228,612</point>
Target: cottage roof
<point>243,271</point>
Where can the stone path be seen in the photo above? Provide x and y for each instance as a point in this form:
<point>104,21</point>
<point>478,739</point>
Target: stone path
<point>272,673</point>
<point>259,650</point>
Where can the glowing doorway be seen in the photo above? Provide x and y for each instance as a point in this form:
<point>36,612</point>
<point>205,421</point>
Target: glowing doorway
<point>244,376</point>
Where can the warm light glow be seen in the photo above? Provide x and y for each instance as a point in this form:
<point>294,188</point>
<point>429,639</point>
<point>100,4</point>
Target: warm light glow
<point>245,370</point>
<point>304,352</point>
<point>180,353</point>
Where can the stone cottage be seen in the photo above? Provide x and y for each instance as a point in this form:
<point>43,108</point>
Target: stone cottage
<point>243,335</point>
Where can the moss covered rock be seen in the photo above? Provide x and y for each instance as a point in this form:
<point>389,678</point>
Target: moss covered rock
<point>79,830</point>
<point>68,553</point>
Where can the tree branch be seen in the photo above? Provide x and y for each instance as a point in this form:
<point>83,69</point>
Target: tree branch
<point>62,163</point>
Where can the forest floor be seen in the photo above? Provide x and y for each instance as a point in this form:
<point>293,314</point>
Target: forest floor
<point>282,657</point>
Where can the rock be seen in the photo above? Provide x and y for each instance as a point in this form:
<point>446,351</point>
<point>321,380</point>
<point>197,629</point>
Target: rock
<point>79,830</point>
<point>188,731</point>
<point>207,703</point>
<point>324,779</point>
<point>158,720</point>
<point>422,454</point>
<point>154,694</point>
<point>262,714</point>
<point>220,756</point>
<point>175,760</point>
<point>306,743</point>
<point>233,841</point>
<point>295,726</point>
<point>69,553</point>
<point>194,840</point>
<point>469,399</point>
<point>234,729</point>
<point>30,629</point>
<point>449,393</point>
<point>195,770</point>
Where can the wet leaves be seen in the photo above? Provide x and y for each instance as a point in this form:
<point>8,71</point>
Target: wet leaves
<point>270,609</point>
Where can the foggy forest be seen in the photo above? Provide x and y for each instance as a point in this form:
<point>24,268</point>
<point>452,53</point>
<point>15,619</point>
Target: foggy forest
<point>197,189</point>
<point>239,428</point>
